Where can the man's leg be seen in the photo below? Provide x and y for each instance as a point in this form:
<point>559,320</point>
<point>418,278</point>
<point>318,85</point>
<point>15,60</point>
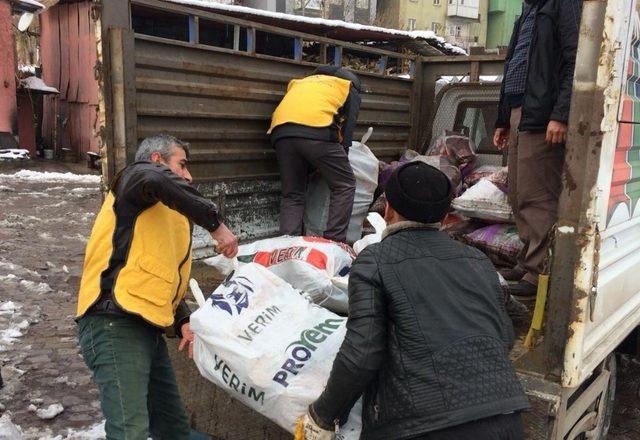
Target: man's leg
<point>512,183</point>
<point>294,171</point>
<point>117,349</point>
<point>332,162</point>
<point>539,185</point>
<point>168,417</point>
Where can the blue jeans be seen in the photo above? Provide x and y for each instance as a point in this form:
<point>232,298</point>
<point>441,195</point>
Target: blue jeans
<point>131,366</point>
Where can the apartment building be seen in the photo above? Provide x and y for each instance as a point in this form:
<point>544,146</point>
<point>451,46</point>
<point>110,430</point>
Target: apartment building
<point>466,24</point>
<point>353,11</point>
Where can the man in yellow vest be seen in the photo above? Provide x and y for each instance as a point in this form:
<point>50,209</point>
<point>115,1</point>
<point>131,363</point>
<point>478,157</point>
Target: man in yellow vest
<point>136,270</point>
<point>313,127</point>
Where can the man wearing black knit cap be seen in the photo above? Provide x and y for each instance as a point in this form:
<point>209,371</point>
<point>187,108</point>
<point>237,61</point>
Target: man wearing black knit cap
<point>427,335</point>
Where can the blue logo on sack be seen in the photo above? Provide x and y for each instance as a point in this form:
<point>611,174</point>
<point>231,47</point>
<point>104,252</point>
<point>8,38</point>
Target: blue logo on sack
<point>234,296</point>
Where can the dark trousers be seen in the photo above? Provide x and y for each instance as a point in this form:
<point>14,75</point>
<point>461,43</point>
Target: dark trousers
<point>138,391</point>
<point>295,157</point>
<point>535,174</point>
<point>501,427</point>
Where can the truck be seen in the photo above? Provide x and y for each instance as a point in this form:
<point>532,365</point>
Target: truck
<point>157,73</point>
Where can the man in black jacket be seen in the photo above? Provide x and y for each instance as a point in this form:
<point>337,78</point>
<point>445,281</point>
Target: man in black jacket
<point>532,122</point>
<point>313,128</point>
<point>427,335</point>
<point>136,270</point>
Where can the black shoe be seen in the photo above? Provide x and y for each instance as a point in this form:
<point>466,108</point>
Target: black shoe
<point>517,311</point>
<point>523,290</point>
<point>514,274</point>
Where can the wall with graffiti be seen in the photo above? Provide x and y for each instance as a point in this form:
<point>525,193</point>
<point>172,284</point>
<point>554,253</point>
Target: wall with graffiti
<point>625,183</point>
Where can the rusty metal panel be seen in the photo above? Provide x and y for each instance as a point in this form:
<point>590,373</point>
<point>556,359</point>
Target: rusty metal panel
<point>221,103</point>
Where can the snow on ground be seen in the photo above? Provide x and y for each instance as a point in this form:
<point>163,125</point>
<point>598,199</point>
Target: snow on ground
<point>11,431</point>
<point>46,176</point>
<point>13,153</point>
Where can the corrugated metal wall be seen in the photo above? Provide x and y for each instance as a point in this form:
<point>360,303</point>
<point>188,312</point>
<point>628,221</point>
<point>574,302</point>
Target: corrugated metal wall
<point>68,56</point>
<point>221,102</point>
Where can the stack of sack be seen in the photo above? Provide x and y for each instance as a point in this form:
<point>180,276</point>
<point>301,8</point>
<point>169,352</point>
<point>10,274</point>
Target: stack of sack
<point>482,216</point>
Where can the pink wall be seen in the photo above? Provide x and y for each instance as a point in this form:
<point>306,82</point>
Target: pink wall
<point>8,104</point>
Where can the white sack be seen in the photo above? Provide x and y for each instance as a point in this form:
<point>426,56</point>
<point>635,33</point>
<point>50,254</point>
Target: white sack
<point>317,266</point>
<point>262,342</point>
<point>484,201</point>
<point>379,225</point>
<point>365,168</point>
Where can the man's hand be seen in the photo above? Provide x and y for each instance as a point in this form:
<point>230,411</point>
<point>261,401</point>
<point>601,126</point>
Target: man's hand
<point>187,339</point>
<point>556,132</point>
<point>501,138</point>
<point>307,429</point>
<point>227,242</point>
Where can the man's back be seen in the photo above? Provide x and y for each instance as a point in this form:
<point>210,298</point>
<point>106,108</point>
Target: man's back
<point>446,359</point>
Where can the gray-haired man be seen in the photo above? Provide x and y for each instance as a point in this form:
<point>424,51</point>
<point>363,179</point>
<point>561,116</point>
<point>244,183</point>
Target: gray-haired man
<point>135,276</point>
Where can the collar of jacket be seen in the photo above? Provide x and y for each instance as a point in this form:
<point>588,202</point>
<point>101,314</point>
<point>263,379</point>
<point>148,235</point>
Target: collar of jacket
<point>407,224</point>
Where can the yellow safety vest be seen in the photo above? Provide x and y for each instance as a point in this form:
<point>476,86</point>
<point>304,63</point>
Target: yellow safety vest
<point>313,101</point>
<point>154,277</point>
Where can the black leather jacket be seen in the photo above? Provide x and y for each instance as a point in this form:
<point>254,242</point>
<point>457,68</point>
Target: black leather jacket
<point>552,61</point>
<point>427,339</point>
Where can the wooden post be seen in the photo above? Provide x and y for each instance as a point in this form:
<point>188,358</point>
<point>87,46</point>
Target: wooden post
<point>474,76</point>
<point>323,53</point>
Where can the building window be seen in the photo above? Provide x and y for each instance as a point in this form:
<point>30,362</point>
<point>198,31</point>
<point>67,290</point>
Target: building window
<point>458,31</point>
<point>436,2</point>
<point>362,4</point>
<point>476,39</point>
<point>435,27</point>
<point>462,2</point>
<point>450,2</point>
<point>411,25</point>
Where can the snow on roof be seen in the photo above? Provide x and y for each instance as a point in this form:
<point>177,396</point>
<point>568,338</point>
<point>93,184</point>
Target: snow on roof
<point>36,84</point>
<point>424,35</point>
<point>27,68</point>
<point>46,176</point>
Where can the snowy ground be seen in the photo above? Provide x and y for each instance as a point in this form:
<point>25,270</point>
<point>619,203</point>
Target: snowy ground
<point>45,220</point>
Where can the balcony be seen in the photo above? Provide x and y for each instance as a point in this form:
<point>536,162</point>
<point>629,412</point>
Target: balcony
<point>497,6</point>
<point>463,9</point>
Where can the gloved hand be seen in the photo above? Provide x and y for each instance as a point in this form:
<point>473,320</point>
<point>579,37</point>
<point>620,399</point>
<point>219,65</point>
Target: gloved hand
<point>308,429</point>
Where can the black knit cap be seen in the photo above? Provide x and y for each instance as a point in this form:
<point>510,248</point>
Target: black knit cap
<point>419,192</point>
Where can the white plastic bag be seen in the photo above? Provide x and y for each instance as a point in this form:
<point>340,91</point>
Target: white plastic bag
<point>365,168</point>
<point>484,201</point>
<point>379,225</point>
<point>262,342</point>
<point>317,266</point>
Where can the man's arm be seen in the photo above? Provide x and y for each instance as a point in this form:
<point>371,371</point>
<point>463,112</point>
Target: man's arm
<point>150,183</point>
<point>568,29</point>
<point>363,348</point>
<point>351,111</point>
<point>504,110</point>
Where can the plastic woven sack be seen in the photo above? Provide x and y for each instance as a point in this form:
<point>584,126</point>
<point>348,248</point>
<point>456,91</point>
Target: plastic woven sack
<point>365,167</point>
<point>480,173</point>
<point>484,201</point>
<point>500,242</point>
<point>317,266</point>
<point>460,148</point>
<point>263,343</point>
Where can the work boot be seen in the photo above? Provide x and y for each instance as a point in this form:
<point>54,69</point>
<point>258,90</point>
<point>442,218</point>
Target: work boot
<point>517,311</point>
<point>514,274</point>
<point>523,290</point>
